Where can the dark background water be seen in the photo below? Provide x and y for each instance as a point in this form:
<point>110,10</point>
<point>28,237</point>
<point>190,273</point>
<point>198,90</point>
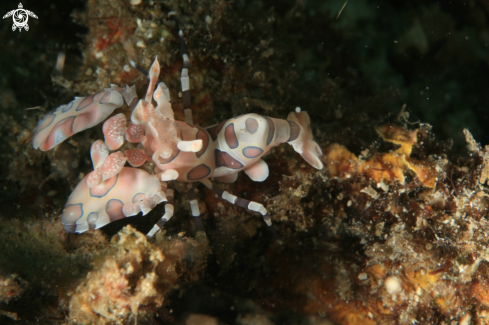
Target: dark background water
<point>435,53</point>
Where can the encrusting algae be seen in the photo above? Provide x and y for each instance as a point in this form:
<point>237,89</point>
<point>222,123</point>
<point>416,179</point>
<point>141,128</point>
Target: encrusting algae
<point>386,167</point>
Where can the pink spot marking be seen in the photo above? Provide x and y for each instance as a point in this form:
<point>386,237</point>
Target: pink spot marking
<point>135,133</point>
<point>113,165</point>
<point>138,197</point>
<point>104,187</point>
<point>72,213</point>
<point>223,159</point>
<point>271,130</point>
<point>294,131</point>
<point>85,103</point>
<point>230,136</point>
<point>46,120</point>
<point>136,157</point>
<point>114,130</point>
<point>252,152</point>
<point>60,132</point>
<point>114,209</point>
<point>105,98</point>
<point>92,220</point>
<point>199,172</point>
<point>85,121</point>
<point>214,131</point>
<point>251,125</point>
<point>202,135</point>
<point>67,107</point>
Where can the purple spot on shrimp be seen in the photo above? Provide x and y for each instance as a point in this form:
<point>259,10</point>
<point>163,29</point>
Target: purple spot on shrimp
<point>92,220</point>
<point>252,152</point>
<point>138,197</point>
<point>214,131</point>
<point>105,98</point>
<point>60,132</point>
<point>104,187</point>
<point>68,107</point>
<point>71,214</point>
<point>87,101</point>
<point>230,136</point>
<point>271,130</point>
<point>251,125</point>
<point>45,122</point>
<point>114,209</point>
<point>294,130</point>
<point>202,135</point>
<point>223,159</point>
<point>199,172</point>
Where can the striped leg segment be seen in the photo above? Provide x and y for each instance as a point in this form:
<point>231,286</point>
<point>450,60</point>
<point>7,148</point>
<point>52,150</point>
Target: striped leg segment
<point>139,68</point>
<point>169,209</point>
<point>185,81</point>
<point>194,207</point>
<point>247,204</point>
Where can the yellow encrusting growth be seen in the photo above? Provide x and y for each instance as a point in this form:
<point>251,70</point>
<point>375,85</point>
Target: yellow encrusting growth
<point>385,167</point>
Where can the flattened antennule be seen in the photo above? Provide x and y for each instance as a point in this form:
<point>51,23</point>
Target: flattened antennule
<point>78,115</point>
<point>301,138</point>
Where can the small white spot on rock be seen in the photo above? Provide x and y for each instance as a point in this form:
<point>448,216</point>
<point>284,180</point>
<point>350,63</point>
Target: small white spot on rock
<point>371,192</point>
<point>363,276</point>
<point>392,285</point>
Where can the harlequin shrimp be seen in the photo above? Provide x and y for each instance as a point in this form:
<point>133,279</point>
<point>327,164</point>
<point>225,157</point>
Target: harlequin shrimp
<point>180,151</point>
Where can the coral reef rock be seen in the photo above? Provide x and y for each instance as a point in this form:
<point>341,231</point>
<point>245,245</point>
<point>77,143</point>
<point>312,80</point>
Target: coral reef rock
<point>136,278</point>
<point>11,286</point>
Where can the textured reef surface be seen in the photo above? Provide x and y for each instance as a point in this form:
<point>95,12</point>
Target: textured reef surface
<point>394,229</point>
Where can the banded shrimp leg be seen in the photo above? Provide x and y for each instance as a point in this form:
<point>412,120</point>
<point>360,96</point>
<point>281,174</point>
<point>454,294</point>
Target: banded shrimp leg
<point>185,81</point>
<point>244,203</point>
